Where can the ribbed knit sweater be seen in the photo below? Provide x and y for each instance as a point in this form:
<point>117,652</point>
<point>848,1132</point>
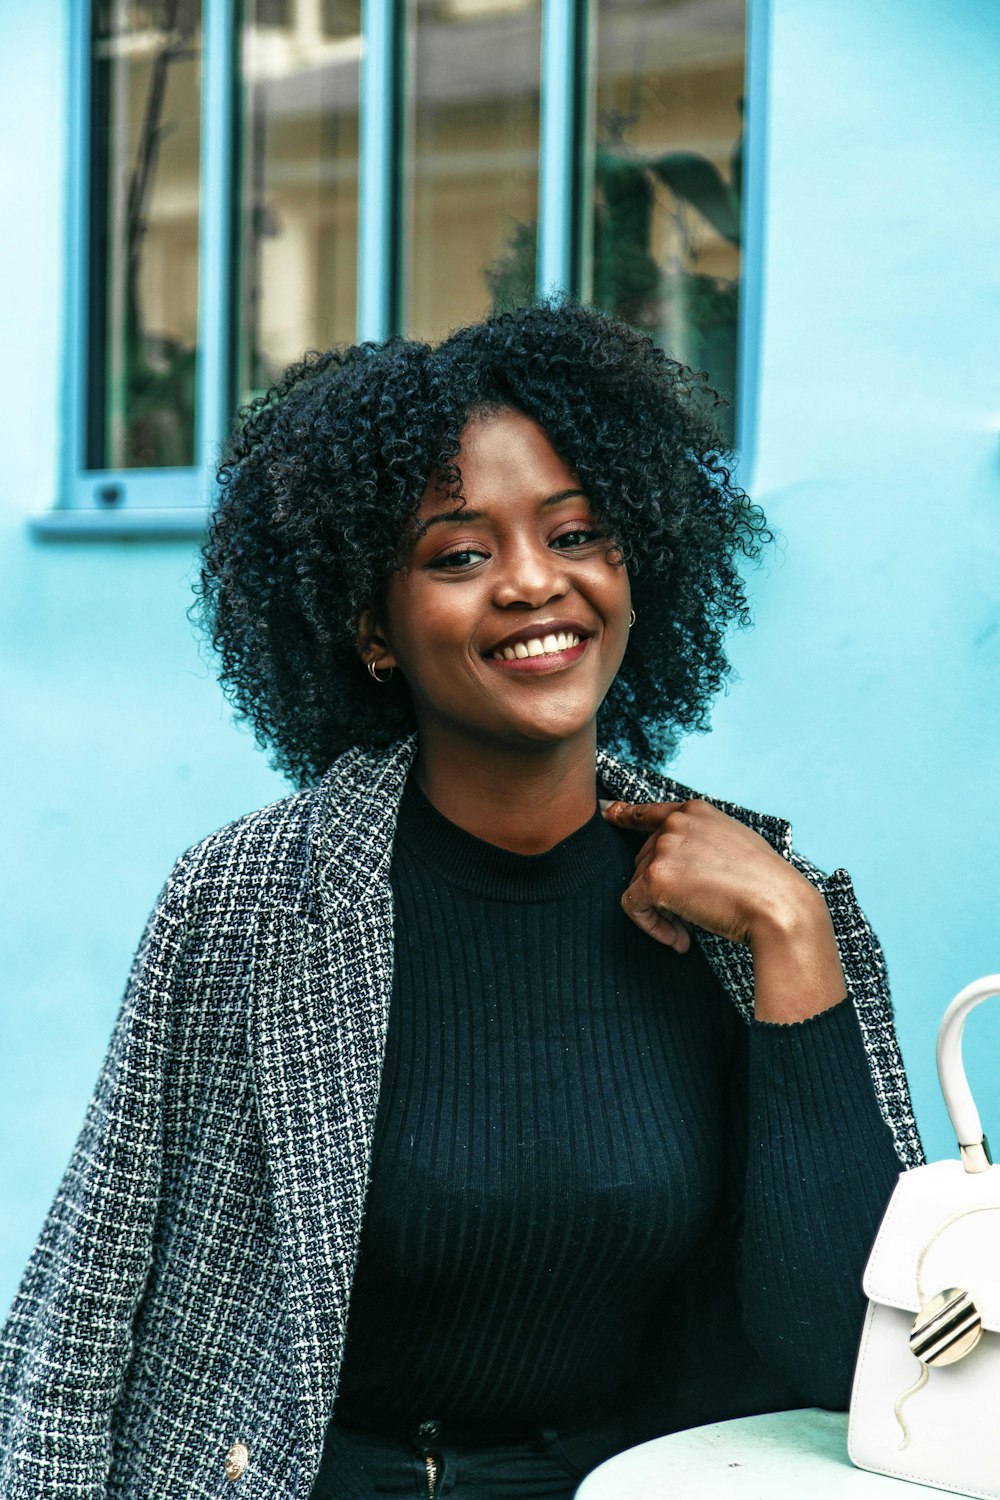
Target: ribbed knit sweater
<point>594,1187</point>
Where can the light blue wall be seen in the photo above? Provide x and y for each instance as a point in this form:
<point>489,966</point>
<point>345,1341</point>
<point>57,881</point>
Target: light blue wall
<point>869,706</point>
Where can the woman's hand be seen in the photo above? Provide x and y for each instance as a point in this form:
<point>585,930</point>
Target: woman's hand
<point>703,868</point>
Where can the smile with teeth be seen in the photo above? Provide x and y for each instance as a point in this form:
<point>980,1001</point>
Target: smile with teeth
<point>545,645</point>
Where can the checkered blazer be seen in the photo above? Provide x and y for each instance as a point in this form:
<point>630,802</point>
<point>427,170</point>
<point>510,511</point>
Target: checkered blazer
<point>190,1286</point>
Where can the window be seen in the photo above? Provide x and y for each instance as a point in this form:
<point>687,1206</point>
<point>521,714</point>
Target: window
<point>299,184</point>
<point>668,142</point>
<point>259,177</point>
<point>143,252</point>
<point>474,161</point>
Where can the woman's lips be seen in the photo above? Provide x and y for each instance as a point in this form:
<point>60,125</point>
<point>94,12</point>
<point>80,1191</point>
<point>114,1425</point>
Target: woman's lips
<point>547,661</point>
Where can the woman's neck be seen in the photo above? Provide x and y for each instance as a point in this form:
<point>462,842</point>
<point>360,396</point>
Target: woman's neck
<point>526,800</point>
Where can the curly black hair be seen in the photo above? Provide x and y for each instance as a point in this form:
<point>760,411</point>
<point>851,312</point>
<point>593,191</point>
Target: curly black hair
<point>319,486</point>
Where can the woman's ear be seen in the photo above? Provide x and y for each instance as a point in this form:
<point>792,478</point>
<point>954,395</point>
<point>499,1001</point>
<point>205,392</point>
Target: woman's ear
<point>371,644</point>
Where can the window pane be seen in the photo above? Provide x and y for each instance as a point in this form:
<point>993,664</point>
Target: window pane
<point>474,186</point>
<point>143,263</point>
<point>667,176</point>
<point>300,182</point>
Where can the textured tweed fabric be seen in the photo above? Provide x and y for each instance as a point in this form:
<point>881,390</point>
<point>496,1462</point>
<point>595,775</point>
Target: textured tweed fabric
<point>190,1286</point>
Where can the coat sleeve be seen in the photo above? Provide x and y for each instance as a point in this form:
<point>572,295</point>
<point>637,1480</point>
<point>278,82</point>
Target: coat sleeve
<point>66,1343</point>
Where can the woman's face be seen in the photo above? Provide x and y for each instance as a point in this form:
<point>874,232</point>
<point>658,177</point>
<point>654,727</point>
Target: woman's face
<point>510,616</point>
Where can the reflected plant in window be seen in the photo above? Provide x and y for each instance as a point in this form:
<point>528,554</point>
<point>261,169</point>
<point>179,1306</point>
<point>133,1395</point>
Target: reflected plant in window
<point>511,278</point>
<point>692,313</point>
<point>667,177</point>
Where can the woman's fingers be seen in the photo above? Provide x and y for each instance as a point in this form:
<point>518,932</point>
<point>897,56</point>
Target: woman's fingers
<point>648,895</point>
<point>658,921</point>
<point>638,902</point>
<point>647,817</point>
<point>701,865</point>
<point>688,870</point>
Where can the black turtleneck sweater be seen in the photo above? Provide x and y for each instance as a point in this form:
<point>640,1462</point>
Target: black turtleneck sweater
<point>594,1187</point>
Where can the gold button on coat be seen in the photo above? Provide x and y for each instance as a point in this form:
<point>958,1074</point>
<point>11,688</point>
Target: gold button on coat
<point>236,1460</point>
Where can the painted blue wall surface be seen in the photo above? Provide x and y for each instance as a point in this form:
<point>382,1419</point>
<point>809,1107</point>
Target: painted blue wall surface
<point>868,705</point>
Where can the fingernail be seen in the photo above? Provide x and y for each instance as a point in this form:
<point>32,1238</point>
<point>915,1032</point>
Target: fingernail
<point>603,805</point>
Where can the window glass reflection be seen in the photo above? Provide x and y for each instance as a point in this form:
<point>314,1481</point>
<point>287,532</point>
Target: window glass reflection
<point>667,176</point>
<point>474,182</point>
<point>144,221</point>
<point>299,187</point>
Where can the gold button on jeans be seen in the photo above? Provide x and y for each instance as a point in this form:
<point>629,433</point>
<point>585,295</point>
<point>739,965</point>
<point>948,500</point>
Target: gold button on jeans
<point>236,1460</point>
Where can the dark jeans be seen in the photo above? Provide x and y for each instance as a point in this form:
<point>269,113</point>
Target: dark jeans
<point>541,1464</point>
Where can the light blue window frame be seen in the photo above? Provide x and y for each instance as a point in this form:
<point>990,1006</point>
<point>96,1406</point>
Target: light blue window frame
<point>174,502</point>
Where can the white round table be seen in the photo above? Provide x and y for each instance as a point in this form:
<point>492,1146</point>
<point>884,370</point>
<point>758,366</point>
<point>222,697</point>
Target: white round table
<point>789,1453</point>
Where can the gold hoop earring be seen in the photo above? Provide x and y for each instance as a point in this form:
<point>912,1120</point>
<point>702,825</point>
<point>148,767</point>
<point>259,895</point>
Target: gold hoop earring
<point>374,672</point>
<point>631,618</point>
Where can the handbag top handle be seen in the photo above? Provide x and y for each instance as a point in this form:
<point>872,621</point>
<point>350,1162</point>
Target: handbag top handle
<point>972,1143</point>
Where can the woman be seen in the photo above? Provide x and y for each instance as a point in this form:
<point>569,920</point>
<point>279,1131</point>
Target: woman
<point>432,1154</point>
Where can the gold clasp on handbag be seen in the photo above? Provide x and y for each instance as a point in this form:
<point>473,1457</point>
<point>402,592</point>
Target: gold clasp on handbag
<point>946,1328</point>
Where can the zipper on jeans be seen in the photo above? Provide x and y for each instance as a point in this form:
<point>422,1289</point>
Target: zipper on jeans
<point>432,1474</point>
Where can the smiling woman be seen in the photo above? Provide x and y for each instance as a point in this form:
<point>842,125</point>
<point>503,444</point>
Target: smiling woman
<point>455,1131</point>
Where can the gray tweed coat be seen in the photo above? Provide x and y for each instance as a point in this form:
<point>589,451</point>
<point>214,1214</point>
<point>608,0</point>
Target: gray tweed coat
<point>190,1285</point>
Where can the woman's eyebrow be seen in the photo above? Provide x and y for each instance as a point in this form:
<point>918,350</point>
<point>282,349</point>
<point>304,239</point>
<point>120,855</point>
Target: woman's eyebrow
<point>464,513</point>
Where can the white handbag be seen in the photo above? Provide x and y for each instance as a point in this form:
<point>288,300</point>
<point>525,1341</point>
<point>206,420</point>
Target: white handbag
<point>926,1399</point>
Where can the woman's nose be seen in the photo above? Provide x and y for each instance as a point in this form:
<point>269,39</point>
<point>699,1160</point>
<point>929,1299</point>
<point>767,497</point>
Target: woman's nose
<point>531,576</point>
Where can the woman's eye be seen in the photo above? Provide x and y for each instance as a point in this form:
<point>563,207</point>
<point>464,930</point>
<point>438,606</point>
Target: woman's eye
<point>463,558</point>
<point>578,538</point>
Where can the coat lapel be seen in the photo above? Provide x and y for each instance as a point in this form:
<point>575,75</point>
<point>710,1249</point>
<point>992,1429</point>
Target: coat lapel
<point>320,996</point>
<point>629,784</point>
